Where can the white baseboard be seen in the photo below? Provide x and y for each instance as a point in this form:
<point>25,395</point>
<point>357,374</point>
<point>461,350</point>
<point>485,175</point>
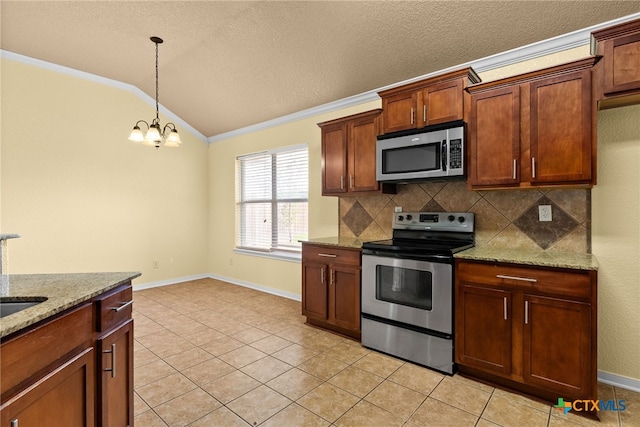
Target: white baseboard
<point>603,377</point>
<point>175,280</point>
<point>619,381</point>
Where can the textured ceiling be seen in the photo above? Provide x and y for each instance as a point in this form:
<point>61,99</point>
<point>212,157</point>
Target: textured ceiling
<point>229,64</point>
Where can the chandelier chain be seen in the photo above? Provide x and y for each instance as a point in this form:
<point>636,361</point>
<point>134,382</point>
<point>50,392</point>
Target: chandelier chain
<point>157,87</point>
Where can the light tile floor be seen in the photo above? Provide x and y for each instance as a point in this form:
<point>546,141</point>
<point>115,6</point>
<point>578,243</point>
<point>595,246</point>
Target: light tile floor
<point>208,353</point>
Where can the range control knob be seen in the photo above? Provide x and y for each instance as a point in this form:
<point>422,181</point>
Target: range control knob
<point>409,217</point>
<point>400,218</point>
<point>451,218</point>
<point>461,219</point>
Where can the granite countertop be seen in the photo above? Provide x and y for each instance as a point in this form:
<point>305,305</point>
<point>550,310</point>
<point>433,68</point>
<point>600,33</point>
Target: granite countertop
<point>62,291</point>
<point>573,260</point>
<point>345,242</point>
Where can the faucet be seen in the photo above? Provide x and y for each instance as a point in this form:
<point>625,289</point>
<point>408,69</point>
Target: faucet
<point>4,273</point>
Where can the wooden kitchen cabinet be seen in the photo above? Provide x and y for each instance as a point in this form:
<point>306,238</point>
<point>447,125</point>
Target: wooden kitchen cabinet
<point>115,349</point>
<point>529,328</point>
<point>534,130</point>
<point>427,102</point>
<point>349,156</point>
<point>617,75</point>
<point>331,287</point>
<point>73,369</point>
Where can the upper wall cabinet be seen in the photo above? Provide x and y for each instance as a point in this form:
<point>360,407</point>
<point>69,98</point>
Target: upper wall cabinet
<point>436,100</point>
<point>618,73</point>
<point>533,130</point>
<point>349,155</point>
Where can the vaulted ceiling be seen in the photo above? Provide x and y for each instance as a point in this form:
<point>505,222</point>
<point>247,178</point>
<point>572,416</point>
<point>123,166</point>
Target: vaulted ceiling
<point>225,65</point>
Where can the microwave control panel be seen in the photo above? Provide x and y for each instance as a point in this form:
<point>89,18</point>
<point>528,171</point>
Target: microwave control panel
<point>455,153</point>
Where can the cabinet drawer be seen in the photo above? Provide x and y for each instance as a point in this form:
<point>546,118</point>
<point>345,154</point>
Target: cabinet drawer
<point>331,255</point>
<point>114,308</point>
<point>558,282</point>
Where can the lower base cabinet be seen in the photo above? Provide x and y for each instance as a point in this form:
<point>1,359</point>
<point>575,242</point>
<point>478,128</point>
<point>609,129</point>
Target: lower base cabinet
<point>331,288</point>
<point>62,398</point>
<point>528,328</point>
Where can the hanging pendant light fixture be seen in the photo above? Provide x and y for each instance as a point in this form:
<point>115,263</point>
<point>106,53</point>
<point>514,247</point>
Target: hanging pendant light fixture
<point>154,137</point>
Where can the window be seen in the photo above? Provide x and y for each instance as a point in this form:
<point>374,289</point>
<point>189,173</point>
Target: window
<point>272,191</point>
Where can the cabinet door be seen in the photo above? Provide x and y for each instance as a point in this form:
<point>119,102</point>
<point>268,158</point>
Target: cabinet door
<point>116,377</point>
<point>561,128</point>
<point>494,137</point>
<point>557,345</point>
<point>483,328</point>
<point>334,159</point>
<point>345,297</point>
<point>314,290</point>
<point>622,64</point>
<point>362,154</point>
<point>64,397</point>
<point>442,103</point>
<point>399,112</point>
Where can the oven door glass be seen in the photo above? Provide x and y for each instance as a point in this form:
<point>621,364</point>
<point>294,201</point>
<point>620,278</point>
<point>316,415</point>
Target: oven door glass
<point>404,286</point>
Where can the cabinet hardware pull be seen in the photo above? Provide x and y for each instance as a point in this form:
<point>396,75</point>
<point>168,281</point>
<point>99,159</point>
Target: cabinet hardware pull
<point>342,182</point>
<point>328,255</point>
<point>333,277</point>
<point>533,167</point>
<point>523,279</point>
<point>351,181</point>
<point>322,275</point>
<point>424,113</point>
<point>504,306</point>
<point>123,305</point>
<point>514,169</point>
<point>14,422</point>
<point>113,360</point>
<point>526,312</point>
<point>411,115</point>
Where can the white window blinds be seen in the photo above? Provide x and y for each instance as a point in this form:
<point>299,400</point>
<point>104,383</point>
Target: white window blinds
<point>271,199</point>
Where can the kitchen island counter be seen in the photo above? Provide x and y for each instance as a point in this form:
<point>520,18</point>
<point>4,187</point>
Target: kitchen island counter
<point>570,260</point>
<point>62,291</point>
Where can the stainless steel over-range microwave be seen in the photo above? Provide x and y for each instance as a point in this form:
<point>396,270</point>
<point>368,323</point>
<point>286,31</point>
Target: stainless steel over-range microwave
<point>434,152</point>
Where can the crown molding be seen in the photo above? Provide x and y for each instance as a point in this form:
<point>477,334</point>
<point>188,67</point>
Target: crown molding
<point>513,56</point>
<point>520,54</point>
<point>5,54</point>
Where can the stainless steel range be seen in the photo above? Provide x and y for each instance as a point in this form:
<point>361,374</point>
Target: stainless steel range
<point>407,287</point>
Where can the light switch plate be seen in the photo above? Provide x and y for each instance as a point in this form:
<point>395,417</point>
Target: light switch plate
<point>544,213</point>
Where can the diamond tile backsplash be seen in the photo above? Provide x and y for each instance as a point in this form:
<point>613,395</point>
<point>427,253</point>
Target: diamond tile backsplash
<point>506,218</point>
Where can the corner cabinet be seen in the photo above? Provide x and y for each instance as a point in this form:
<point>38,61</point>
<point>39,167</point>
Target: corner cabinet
<point>534,130</point>
<point>349,156</point>
<point>331,288</point>
<point>427,102</point>
<point>618,73</point>
<point>529,328</point>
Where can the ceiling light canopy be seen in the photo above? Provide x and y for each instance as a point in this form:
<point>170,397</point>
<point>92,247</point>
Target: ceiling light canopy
<point>155,134</point>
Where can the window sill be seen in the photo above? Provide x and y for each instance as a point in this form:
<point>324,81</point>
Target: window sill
<point>280,255</point>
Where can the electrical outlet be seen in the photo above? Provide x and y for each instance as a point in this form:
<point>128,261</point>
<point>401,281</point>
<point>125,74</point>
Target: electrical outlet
<point>156,264</point>
<point>397,209</point>
<point>230,261</point>
<point>544,213</point>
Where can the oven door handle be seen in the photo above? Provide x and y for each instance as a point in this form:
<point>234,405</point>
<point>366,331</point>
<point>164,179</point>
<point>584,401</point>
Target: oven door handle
<point>418,257</point>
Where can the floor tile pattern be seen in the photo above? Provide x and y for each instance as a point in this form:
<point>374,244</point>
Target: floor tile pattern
<point>209,353</point>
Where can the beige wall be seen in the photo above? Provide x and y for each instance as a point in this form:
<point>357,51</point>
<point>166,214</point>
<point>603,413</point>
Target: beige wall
<point>616,240</point>
<point>86,199</point>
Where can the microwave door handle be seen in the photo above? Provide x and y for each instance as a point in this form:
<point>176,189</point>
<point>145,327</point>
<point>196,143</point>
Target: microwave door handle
<point>444,155</point>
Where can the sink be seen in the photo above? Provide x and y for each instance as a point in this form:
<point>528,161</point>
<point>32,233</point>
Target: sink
<point>10,306</point>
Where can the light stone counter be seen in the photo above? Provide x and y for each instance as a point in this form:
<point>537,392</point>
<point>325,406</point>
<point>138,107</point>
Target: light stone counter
<point>345,242</point>
<point>577,261</point>
<point>62,291</point>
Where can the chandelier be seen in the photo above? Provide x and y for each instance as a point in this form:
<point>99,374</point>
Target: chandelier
<point>154,136</point>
